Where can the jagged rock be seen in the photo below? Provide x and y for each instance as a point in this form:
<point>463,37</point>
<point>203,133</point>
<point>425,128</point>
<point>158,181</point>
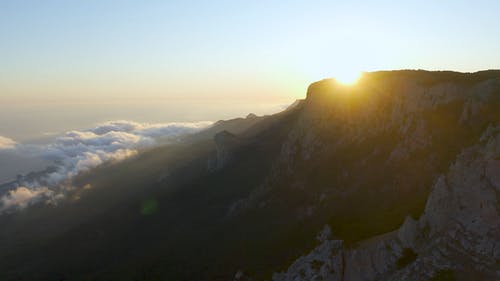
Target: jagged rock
<point>324,263</point>
<point>459,231</point>
<point>325,234</point>
<point>241,276</point>
<point>407,233</point>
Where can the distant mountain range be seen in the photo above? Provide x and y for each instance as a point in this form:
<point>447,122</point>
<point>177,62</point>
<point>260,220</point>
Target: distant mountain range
<point>394,178</point>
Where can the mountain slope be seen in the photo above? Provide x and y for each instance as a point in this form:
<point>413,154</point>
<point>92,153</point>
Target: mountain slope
<point>252,194</point>
<point>456,237</point>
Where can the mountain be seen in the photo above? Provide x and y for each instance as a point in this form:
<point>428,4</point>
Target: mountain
<point>394,178</point>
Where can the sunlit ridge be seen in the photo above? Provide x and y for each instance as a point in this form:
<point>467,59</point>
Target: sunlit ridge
<point>348,77</point>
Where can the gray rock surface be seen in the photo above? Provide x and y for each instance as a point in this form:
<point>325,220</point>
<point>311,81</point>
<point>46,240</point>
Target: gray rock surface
<point>459,231</point>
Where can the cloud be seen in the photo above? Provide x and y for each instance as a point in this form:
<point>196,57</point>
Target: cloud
<point>6,143</point>
<point>151,129</point>
<point>79,151</point>
<point>22,196</point>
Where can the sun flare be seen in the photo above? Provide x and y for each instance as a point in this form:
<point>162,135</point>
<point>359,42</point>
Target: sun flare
<point>347,77</point>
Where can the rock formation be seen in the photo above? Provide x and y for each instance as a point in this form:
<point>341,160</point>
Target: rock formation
<point>459,232</point>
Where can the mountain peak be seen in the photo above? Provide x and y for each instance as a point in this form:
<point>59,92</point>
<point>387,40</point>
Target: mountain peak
<point>325,87</point>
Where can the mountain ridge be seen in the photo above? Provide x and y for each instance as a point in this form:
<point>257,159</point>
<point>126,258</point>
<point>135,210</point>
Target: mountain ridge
<point>361,159</point>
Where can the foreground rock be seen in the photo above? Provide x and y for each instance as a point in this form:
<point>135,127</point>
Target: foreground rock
<point>458,235</point>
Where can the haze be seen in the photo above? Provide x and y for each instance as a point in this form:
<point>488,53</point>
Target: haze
<point>249,140</point>
<point>72,64</point>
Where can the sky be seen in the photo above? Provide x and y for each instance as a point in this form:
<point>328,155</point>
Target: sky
<point>72,63</point>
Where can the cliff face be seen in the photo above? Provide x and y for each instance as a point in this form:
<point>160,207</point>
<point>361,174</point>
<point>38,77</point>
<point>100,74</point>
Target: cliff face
<point>399,105</point>
<point>459,231</point>
<point>361,158</point>
<point>393,134</point>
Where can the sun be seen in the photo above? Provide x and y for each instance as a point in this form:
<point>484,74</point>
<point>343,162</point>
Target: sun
<point>347,77</point>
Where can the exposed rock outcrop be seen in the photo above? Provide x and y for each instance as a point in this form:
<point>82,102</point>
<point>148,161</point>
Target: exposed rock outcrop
<point>459,231</point>
<point>408,124</point>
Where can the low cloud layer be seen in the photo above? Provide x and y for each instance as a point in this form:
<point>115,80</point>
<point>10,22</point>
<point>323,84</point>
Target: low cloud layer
<point>6,143</point>
<point>78,151</point>
<point>23,196</point>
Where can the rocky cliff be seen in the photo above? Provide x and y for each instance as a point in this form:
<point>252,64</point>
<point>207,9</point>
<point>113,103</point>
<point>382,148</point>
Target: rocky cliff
<point>458,233</point>
<point>418,143</point>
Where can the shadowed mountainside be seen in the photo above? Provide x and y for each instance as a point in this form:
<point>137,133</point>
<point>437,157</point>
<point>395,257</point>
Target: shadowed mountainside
<point>252,194</point>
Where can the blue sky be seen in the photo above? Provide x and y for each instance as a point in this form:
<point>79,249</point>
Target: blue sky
<point>96,50</point>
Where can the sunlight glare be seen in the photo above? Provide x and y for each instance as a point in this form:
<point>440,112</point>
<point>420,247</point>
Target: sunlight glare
<point>347,77</point>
